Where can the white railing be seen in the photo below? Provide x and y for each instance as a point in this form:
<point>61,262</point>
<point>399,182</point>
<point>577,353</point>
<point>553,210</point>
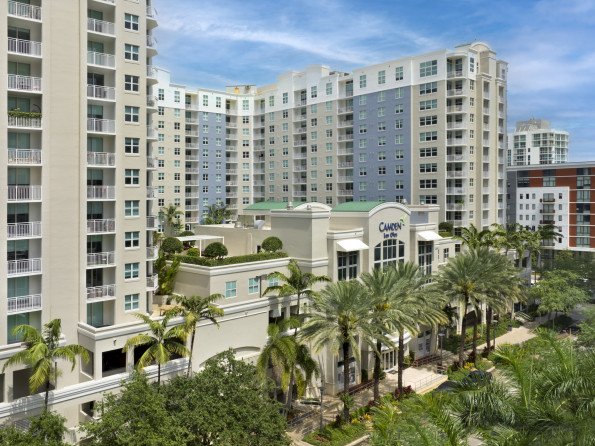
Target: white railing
<point>345,193</point>
<point>456,174</point>
<point>101,159</point>
<point>456,142</point>
<point>153,251</point>
<point>456,207</point>
<point>24,193</point>
<point>300,168</point>
<point>152,192</point>
<point>347,165</point>
<point>347,109</point>
<point>151,132</point>
<point>151,12</point>
<point>23,10</point>
<point>300,143</point>
<point>151,41</point>
<point>299,193</point>
<point>24,83</point>
<point>151,71</point>
<point>300,130</point>
<point>24,303</point>
<point>151,163</point>
<point>101,292</point>
<point>24,230</point>
<point>345,179</point>
<point>345,152</point>
<point>101,226</point>
<point>456,190</point>
<point>101,258</point>
<point>456,158</point>
<point>22,121</point>
<point>231,171</point>
<point>345,124</point>
<point>152,222</point>
<point>456,73</point>
<point>24,266</point>
<point>299,156</point>
<point>101,59</point>
<point>153,281</point>
<point>456,125</point>
<point>456,108</point>
<point>229,125</point>
<point>101,192</point>
<point>101,125</point>
<point>300,117</point>
<point>24,156</point>
<point>101,92</point>
<point>456,92</point>
<point>21,46</point>
<point>346,138</point>
<point>99,26</point>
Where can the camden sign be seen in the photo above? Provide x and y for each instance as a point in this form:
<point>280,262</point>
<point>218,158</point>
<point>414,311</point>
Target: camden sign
<point>389,230</point>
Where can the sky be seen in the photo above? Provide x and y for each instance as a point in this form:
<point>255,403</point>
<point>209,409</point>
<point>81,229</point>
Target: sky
<point>549,45</point>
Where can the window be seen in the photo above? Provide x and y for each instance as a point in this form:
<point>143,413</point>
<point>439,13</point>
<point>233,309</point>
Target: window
<point>131,239</point>
<point>285,98</point>
<point>131,176</point>
<point>161,110</point>
<point>428,136</point>
<point>131,114</point>
<point>231,289</point>
<point>399,184</point>
<point>381,156</point>
<point>399,139</point>
<point>399,93</point>
<point>131,145</point>
<point>430,87</point>
<point>245,106</point>
<point>428,184</point>
<point>398,109</point>
<point>428,199</point>
<point>218,102</point>
<point>362,81</point>
<point>428,168</point>
<point>399,169</point>
<point>131,271</point>
<point>329,146</point>
<point>161,124</point>
<point>363,99</point>
<point>399,124</point>
<point>399,154</point>
<point>428,105</point>
<point>429,68</point>
<point>347,265</point>
<point>381,170</point>
<point>329,88</point>
<point>399,73</point>
<point>329,120</point>
<point>363,128</point>
<point>131,22</point>
<point>363,186</point>
<point>428,151</point>
<point>381,77</point>
<point>428,120</point>
<point>131,302</point>
<point>314,92</point>
<point>252,286</point>
<point>130,83</point>
<point>131,208</point>
<point>131,52</point>
<point>381,111</point>
<point>382,185</point>
<point>389,252</point>
<point>363,143</point>
<point>382,140</point>
<point>382,126</point>
<point>363,171</point>
<point>176,96</point>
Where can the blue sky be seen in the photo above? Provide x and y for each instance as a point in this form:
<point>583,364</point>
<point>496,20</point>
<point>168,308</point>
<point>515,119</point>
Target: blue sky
<point>549,44</point>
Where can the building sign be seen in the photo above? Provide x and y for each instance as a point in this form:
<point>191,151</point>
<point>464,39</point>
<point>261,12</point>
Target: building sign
<point>389,229</point>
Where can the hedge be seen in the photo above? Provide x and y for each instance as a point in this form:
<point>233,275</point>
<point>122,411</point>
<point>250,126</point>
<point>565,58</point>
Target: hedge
<point>203,261</point>
<point>21,114</point>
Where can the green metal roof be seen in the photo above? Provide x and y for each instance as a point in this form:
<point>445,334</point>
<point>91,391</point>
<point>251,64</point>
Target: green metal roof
<point>357,206</point>
<point>268,205</point>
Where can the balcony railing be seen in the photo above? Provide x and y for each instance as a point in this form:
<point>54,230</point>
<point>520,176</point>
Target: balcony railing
<point>23,266</point>
<point>456,190</point>
<point>347,109</point>
<point>24,230</point>
<point>101,292</point>
<point>100,226</point>
<point>151,71</point>
<point>101,192</point>
<point>101,258</point>
<point>456,108</point>
<point>24,121</point>
<point>455,73</point>
<point>101,159</point>
<point>24,83</point>
<point>152,221</point>
<point>151,12</point>
<point>345,193</point>
<point>459,157</point>
<point>151,162</point>
<point>101,92</point>
<point>24,156</point>
<point>24,303</point>
<point>153,251</point>
<point>152,192</point>
<point>456,92</point>
<point>152,282</point>
<point>101,125</point>
<point>456,174</point>
<point>24,193</point>
<point>151,41</point>
<point>345,138</point>
<point>151,133</point>
<point>456,142</point>
<point>99,26</point>
<point>23,10</point>
<point>27,47</point>
<point>101,59</point>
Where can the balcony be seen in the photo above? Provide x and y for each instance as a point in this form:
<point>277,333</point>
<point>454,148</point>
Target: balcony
<point>456,174</point>
<point>231,171</point>
<point>23,267</point>
<point>24,83</point>
<point>151,13</point>
<point>299,193</point>
<point>345,138</point>
<point>456,142</point>
<point>101,92</point>
<point>231,183</point>
<point>300,130</point>
<point>24,230</point>
<point>547,200</point>
<point>151,42</point>
<point>259,148</point>
<point>101,59</point>
<point>24,156</point>
<point>343,152</point>
<point>152,162</point>
<point>300,181</point>
<point>101,159</point>
<point>24,120</point>
<point>24,47</point>
<point>454,74</point>
<point>456,207</point>
<point>95,125</point>
<point>192,183</point>
<point>456,109</point>
<point>300,156</point>
<point>152,282</point>
<point>23,304</point>
<point>456,92</point>
<point>152,192</point>
<point>345,180</point>
<point>346,165</point>
<point>99,259</point>
<point>231,195</point>
<point>101,292</point>
<point>346,123</point>
<point>101,226</point>
<point>101,192</point>
<point>191,146</point>
<point>152,222</point>
<point>300,168</point>
<point>151,133</point>
<point>151,72</point>
<point>453,158</point>
<point>192,133</point>
<point>301,117</point>
<point>456,190</point>
<point>345,110</point>
<point>101,27</point>
<point>24,193</point>
<point>456,125</point>
<point>24,11</point>
<point>153,251</point>
<point>345,193</point>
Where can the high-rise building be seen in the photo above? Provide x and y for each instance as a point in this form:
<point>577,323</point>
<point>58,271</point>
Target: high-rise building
<point>535,142</point>
<point>427,129</point>
<point>79,202</point>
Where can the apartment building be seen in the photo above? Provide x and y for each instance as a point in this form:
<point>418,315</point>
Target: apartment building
<point>79,201</point>
<point>561,195</point>
<point>535,142</point>
<point>427,129</point>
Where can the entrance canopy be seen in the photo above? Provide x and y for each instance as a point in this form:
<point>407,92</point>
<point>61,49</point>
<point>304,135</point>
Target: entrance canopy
<point>351,244</point>
<point>428,236</point>
<point>200,239</point>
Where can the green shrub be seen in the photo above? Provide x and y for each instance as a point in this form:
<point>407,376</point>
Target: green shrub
<point>172,245</point>
<point>216,250</point>
<point>203,261</point>
<point>193,252</point>
<point>339,436</point>
<point>446,227</point>
<point>445,234</point>
<point>17,113</point>
<point>272,244</point>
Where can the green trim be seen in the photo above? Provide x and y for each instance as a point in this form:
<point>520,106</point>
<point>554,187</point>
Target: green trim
<point>357,206</point>
<point>268,205</point>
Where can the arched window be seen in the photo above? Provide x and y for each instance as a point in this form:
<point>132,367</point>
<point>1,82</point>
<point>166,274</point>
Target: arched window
<point>389,252</point>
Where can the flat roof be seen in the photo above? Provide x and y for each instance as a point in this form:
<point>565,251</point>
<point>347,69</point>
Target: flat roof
<point>571,165</point>
<point>357,206</point>
<point>268,205</point>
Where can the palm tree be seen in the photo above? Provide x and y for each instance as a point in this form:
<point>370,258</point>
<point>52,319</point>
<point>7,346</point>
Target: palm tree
<point>217,214</point>
<point>472,237</point>
<point>195,309</point>
<point>161,342</point>
<point>42,352</point>
<point>340,318</point>
<point>171,215</point>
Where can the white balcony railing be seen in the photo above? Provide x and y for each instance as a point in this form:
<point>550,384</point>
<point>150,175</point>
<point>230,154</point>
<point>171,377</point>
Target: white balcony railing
<point>101,92</point>
<point>152,282</point>
<point>101,192</point>
<point>24,230</point>
<point>101,258</point>
<point>24,83</point>
<point>101,125</point>
<point>151,41</point>
<point>24,10</point>
<point>345,193</point>
<point>151,71</point>
<point>153,251</point>
<point>24,303</point>
<point>152,222</point>
<point>456,174</point>
<point>100,226</point>
<point>456,190</point>
<point>24,156</point>
<point>101,59</point>
<point>101,292</point>
<point>24,193</point>
<point>27,47</point>
<point>151,12</point>
<point>101,159</point>
<point>23,266</point>
<point>24,122</point>
<point>99,26</point>
<point>456,108</point>
<point>151,133</point>
<point>152,192</point>
<point>151,162</point>
<point>456,142</point>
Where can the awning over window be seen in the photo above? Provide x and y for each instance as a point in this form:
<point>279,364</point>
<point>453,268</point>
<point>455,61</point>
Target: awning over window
<point>351,244</point>
<point>428,236</point>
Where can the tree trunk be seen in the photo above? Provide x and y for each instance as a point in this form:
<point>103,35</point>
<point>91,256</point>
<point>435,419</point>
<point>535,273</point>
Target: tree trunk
<point>191,351</point>
<point>477,318</point>
<point>47,394</point>
<point>158,376</point>
<point>377,370</point>
<point>346,380</point>
<point>298,313</point>
<point>289,399</point>
<point>488,326</point>
<point>400,362</point>
<point>463,329</point>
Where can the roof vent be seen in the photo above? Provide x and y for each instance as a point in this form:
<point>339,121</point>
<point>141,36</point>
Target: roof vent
<point>289,206</point>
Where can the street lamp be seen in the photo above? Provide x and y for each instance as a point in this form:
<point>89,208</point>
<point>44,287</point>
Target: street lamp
<point>441,336</point>
<point>322,389</point>
<point>494,322</point>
